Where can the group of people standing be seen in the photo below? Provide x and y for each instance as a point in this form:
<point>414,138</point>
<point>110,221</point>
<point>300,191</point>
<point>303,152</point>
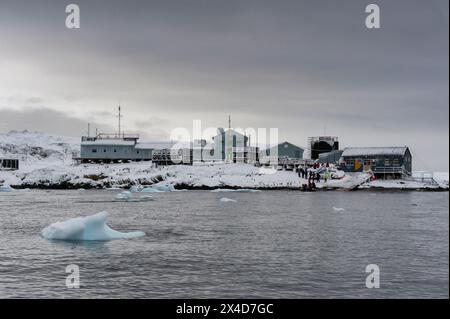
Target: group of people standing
<point>312,176</point>
<point>308,174</point>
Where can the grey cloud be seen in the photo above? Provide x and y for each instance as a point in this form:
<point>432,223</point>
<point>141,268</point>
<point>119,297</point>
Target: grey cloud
<point>296,65</point>
<point>51,121</point>
<point>46,120</point>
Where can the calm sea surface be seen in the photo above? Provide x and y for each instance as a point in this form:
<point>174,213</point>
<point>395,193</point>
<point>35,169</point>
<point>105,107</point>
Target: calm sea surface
<point>266,244</point>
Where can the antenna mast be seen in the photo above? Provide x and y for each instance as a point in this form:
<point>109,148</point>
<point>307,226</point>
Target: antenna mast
<point>229,121</point>
<point>119,116</point>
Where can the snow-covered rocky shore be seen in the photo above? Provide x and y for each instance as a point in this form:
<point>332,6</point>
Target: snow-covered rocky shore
<point>46,162</point>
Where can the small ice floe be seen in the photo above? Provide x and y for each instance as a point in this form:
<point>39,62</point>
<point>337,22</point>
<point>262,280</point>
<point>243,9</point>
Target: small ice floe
<point>86,228</point>
<point>113,188</point>
<point>338,209</point>
<point>125,195</point>
<point>6,188</point>
<point>227,200</point>
<point>159,188</point>
<point>243,190</point>
<point>146,198</point>
<point>81,189</point>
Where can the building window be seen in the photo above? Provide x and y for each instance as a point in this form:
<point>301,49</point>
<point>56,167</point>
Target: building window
<point>94,150</point>
<point>137,151</point>
<point>387,162</point>
<point>396,162</point>
<point>350,162</point>
<point>211,152</point>
<point>104,151</point>
<point>115,151</point>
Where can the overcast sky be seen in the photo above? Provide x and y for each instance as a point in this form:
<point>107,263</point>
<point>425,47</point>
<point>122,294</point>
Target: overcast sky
<point>305,67</point>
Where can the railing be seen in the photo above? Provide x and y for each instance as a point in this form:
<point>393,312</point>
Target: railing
<point>423,177</point>
<point>110,136</point>
<point>391,170</point>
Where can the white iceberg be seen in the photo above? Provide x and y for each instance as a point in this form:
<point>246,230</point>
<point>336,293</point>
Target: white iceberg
<point>86,228</point>
<point>159,188</point>
<point>6,188</point>
<point>243,190</point>
<point>150,190</point>
<point>113,188</point>
<point>146,198</point>
<point>339,209</point>
<point>125,195</point>
<point>225,200</point>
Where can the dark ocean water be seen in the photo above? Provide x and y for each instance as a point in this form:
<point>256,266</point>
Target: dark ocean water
<point>282,244</point>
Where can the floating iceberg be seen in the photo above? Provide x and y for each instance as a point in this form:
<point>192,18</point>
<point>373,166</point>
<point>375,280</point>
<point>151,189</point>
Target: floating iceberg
<point>339,209</point>
<point>128,197</point>
<point>113,188</point>
<point>125,195</point>
<point>146,198</point>
<point>225,200</point>
<point>6,188</point>
<point>150,190</point>
<point>86,228</point>
<point>159,188</point>
<point>243,190</point>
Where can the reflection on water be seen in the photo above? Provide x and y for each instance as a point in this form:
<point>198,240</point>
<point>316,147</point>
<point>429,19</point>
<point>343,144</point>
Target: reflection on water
<point>266,244</point>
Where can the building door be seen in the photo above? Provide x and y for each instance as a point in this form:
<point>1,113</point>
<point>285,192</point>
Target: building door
<point>358,165</point>
<point>367,165</point>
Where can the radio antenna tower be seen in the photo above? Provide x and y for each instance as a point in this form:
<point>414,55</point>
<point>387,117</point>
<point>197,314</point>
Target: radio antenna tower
<point>119,117</point>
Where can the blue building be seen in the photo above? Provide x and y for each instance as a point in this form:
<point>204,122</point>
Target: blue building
<point>287,150</point>
<point>384,162</point>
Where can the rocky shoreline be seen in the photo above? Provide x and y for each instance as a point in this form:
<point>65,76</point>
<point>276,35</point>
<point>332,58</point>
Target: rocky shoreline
<point>183,186</point>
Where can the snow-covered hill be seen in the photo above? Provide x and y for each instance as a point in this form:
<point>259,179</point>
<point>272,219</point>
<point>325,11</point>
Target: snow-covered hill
<point>38,149</point>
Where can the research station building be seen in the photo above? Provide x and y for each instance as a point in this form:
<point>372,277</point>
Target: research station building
<point>384,162</point>
<point>9,164</point>
<point>113,148</point>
